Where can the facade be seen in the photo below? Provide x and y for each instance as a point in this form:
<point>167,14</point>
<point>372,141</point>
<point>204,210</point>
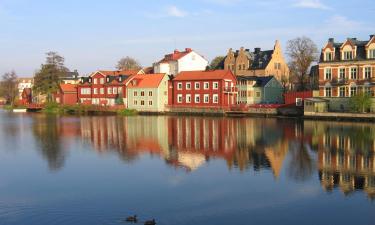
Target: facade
<point>258,63</point>
<point>259,90</point>
<point>105,87</point>
<point>203,89</point>
<point>148,92</point>
<point>346,69</point>
<point>67,94</point>
<point>24,83</point>
<point>174,63</point>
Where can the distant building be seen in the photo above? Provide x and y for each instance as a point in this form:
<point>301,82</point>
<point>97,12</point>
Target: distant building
<point>66,94</point>
<point>23,83</point>
<point>259,90</point>
<point>176,62</point>
<point>70,77</point>
<point>243,62</point>
<point>104,87</point>
<point>204,89</point>
<point>148,92</point>
<point>26,96</point>
<point>346,69</point>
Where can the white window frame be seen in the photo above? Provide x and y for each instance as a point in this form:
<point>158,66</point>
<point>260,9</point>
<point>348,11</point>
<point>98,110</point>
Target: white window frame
<point>342,77</point>
<point>206,84</point>
<point>351,73</point>
<point>215,85</point>
<point>102,80</point>
<point>195,98</point>
<point>215,98</point>
<point>188,86</point>
<point>102,91</point>
<point>330,91</point>
<point>326,73</point>
<point>206,98</point>
<point>115,91</point>
<point>371,53</point>
<point>350,90</point>
<point>339,92</point>
<point>188,98</point>
<point>95,81</point>
<point>179,86</point>
<point>95,91</point>
<point>179,98</point>
<point>197,85</point>
<point>109,90</point>
<point>365,72</point>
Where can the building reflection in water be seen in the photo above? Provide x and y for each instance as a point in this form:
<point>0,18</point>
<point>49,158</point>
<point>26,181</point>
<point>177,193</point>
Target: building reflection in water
<point>345,155</point>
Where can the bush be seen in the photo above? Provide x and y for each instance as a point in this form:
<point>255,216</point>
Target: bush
<point>127,112</point>
<point>361,102</point>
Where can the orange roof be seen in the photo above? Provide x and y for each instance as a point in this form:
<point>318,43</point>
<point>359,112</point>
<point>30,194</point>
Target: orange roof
<point>176,55</point>
<point>146,80</point>
<point>119,72</point>
<point>204,75</point>
<point>68,87</point>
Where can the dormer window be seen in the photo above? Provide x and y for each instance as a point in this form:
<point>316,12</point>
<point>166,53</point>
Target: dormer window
<point>107,79</point>
<point>371,54</point>
<point>348,55</point>
<point>328,56</point>
<point>90,80</point>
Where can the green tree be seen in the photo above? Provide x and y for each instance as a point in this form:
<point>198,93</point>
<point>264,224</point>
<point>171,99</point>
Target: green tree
<point>47,79</point>
<point>8,87</point>
<point>217,63</point>
<point>361,102</point>
<point>128,63</point>
<point>302,52</point>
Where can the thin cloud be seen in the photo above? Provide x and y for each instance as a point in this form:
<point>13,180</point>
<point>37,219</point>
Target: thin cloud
<point>310,4</point>
<point>174,11</point>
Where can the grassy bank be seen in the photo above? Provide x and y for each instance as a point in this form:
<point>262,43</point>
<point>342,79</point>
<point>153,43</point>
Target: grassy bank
<point>54,108</point>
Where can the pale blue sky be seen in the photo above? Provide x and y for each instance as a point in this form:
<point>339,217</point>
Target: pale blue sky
<point>94,34</point>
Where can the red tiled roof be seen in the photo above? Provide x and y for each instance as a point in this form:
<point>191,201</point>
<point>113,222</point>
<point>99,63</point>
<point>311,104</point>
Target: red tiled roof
<point>147,80</point>
<point>176,55</point>
<point>68,87</point>
<point>203,75</point>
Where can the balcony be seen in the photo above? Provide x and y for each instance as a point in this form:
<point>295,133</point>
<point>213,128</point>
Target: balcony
<point>230,89</point>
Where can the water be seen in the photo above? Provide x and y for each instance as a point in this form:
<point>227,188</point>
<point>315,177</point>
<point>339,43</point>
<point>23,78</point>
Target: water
<point>185,170</point>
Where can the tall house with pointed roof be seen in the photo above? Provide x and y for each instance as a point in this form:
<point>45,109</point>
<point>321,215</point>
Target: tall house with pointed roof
<point>179,61</point>
<point>243,62</point>
<point>346,69</point>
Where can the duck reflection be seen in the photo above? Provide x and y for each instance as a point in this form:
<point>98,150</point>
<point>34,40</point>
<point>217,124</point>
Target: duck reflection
<point>345,156</point>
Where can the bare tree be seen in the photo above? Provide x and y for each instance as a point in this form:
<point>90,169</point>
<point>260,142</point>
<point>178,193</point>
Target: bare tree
<point>302,52</point>
<point>8,87</point>
<point>128,63</point>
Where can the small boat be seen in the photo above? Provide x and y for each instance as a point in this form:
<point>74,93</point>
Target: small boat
<point>19,110</point>
<point>150,222</point>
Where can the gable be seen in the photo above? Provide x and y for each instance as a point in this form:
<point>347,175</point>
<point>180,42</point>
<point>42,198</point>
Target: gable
<point>97,75</point>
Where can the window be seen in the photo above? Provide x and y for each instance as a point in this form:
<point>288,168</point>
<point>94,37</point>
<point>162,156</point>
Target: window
<point>95,81</point>
<point>371,54</point>
<point>328,73</point>
<point>149,102</point>
<point>188,86</point>
<point>216,85</point>
<point>142,102</point>
<point>188,98</point>
<point>367,73</point>
<point>348,55</point>
<point>342,92</point>
<point>206,98</point>
<point>179,98</point>
<point>239,67</point>
<point>197,85</point>
<point>342,73</point>
<point>135,102</point>
<point>197,99</point>
<point>150,93</point>
<point>367,90</point>
<point>353,73</point>
<point>206,85</point>
<point>215,98</point>
<point>109,90</point>
<point>135,93</point>
<point>328,92</point>
<point>142,93</point>
<point>95,91</point>
<point>257,94</point>
<point>328,56</point>
<point>119,90</point>
<point>353,91</point>
<point>115,90</point>
<point>101,80</point>
<point>102,91</point>
<point>179,86</point>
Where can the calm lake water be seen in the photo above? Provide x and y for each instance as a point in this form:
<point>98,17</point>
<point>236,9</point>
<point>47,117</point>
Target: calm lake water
<point>185,170</point>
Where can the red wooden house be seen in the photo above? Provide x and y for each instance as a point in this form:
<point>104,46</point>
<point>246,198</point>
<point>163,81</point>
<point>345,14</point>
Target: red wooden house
<point>203,89</point>
<point>67,94</point>
<point>105,87</point>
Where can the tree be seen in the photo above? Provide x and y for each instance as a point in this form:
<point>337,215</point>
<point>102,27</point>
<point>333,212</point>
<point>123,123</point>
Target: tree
<point>47,79</point>
<point>302,52</point>
<point>128,63</point>
<point>8,87</point>
<point>361,102</point>
<point>217,63</point>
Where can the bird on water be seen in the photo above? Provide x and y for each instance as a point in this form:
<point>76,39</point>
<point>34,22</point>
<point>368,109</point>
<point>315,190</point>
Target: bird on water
<point>150,222</point>
<point>132,219</point>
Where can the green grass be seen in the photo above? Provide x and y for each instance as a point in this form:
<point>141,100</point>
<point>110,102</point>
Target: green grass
<point>127,112</point>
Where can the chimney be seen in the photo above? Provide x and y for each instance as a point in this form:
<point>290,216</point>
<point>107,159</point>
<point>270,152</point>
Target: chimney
<point>188,50</point>
<point>247,50</point>
<point>371,36</point>
<point>176,51</point>
<point>256,50</point>
<point>331,40</point>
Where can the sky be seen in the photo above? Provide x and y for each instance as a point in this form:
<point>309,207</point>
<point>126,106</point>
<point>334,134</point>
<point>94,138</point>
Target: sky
<point>95,34</point>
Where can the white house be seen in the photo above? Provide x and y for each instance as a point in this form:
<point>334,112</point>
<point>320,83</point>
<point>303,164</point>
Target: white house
<point>174,63</point>
<point>24,83</point>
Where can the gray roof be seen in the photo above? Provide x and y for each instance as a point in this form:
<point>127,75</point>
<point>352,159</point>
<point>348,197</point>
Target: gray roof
<point>258,59</point>
<point>260,81</point>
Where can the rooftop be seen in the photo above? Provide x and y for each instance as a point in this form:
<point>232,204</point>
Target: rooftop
<point>146,80</point>
<point>203,75</point>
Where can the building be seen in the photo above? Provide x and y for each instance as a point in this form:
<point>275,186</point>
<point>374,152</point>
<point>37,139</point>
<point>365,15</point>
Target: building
<point>259,90</point>
<point>24,83</point>
<point>176,62</point>
<point>66,94</point>
<point>148,92</point>
<point>105,87</point>
<point>70,77</point>
<point>204,89</point>
<point>258,63</point>
<point>346,69</point>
